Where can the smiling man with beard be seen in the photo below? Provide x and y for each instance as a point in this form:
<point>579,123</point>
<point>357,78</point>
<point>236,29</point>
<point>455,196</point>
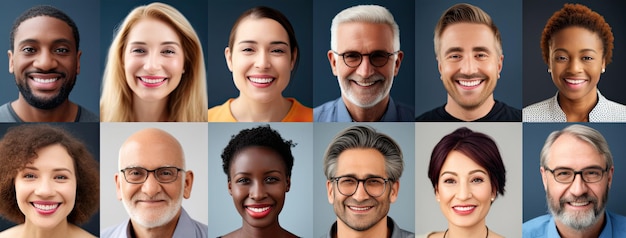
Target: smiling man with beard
<point>151,183</point>
<point>365,56</point>
<point>577,171</point>
<point>363,169</point>
<point>45,59</point>
<point>468,47</point>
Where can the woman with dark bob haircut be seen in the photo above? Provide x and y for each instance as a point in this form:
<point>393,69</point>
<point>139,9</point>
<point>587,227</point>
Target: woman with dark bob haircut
<point>258,165</point>
<point>49,182</point>
<point>467,173</point>
<point>577,45</point>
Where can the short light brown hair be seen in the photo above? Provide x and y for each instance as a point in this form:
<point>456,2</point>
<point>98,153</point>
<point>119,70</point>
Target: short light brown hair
<point>19,147</point>
<point>581,16</point>
<point>465,13</point>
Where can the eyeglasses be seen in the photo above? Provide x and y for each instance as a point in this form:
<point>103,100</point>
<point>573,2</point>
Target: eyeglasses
<point>347,185</point>
<point>353,59</point>
<point>566,175</point>
<point>138,175</point>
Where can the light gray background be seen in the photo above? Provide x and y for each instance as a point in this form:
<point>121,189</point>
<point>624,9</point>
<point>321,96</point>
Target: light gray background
<point>401,210</point>
<point>535,135</point>
<point>87,18</point>
<point>192,137</point>
<point>297,213</point>
<point>429,90</point>
<point>505,215</point>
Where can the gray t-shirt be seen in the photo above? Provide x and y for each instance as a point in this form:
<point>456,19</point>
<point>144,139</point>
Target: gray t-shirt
<point>7,114</point>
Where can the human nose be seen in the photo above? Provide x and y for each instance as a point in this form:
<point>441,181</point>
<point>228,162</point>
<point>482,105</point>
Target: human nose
<point>360,194</point>
<point>44,188</point>
<point>262,60</point>
<point>574,66</point>
<point>464,192</point>
<point>365,69</point>
<point>468,65</point>
<point>45,61</point>
<point>578,186</point>
<point>257,191</point>
<point>152,63</point>
<point>151,186</point>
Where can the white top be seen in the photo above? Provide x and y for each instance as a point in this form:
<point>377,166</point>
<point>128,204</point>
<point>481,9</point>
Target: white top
<point>550,111</point>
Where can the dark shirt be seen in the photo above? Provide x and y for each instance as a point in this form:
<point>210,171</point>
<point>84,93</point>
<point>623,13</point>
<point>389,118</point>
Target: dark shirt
<point>499,112</point>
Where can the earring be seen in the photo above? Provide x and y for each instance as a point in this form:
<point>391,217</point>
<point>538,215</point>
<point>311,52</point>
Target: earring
<point>493,199</point>
<point>549,70</point>
<point>603,70</point>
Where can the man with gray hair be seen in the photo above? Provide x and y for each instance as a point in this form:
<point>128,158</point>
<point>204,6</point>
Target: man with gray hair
<point>154,203</point>
<point>361,156</point>
<point>577,204</point>
<point>365,56</point>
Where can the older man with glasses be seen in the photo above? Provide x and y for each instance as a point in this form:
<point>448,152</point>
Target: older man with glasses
<point>365,56</point>
<point>363,169</point>
<point>152,182</point>
<point>577,170</point>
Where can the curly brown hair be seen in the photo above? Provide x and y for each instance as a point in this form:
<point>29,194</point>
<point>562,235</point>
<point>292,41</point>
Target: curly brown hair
<point>581,16</point>
<point>19,147</point>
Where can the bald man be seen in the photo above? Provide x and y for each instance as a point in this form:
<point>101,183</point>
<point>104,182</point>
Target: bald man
<point>151,183</point>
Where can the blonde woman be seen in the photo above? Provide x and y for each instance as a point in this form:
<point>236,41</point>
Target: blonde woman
<point>150,78</point>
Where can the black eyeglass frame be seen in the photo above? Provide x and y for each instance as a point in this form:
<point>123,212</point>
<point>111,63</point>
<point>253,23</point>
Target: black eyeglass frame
<point>148,171</point>
<point>368,55</point>
<point>359,181</point>
<point>577,172</point>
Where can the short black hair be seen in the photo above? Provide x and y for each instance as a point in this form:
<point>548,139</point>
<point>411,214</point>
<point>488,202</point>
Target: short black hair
<point>259,136</point>
<point>44,10</point>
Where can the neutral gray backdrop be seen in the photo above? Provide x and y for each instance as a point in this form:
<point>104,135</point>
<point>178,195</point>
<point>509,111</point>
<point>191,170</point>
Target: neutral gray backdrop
<point>538,83</point>
<point>297,213</point>
<point>505,215</point>
<point>193,138</point>
<point>401,211</point>
<point>89,134</point>
<point>535,135</point>
<point>86,15</point>
<point>325,86</point>
<point>222,15</point>
<point>507,15</point>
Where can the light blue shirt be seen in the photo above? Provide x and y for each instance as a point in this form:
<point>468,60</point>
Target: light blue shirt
<point>544,226</point>
<point>186,228</point>
<point>336,111</point>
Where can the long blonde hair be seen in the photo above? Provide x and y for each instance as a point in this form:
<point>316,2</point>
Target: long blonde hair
<point>188,102</point>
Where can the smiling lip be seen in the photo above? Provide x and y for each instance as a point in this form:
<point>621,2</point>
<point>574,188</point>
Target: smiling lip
<point>464,209</point>
<point>261,81</point>
<point>360,209</point>
<point>579,204</point>
<point>258,211</point>
<point>152,81</point>
<point>46,207</point>
<point>365,83</point>
<point>45,82</point>
<point>469,84</point>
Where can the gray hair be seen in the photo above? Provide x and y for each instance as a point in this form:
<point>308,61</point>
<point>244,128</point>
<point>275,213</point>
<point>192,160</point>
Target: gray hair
<point>364,137</point>
<point>584,133</point>
<point>365,13</point>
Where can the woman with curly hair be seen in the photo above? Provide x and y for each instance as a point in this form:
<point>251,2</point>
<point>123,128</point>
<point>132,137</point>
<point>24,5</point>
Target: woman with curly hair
<point>49,182</point>
<point>577,45</point>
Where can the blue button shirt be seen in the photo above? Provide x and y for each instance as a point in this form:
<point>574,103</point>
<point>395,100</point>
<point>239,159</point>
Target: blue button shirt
<point>544,226</point>
<point>336,111</point>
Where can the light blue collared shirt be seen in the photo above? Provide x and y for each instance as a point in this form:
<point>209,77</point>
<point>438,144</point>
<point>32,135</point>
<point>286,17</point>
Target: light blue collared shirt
<point>336,111</point>
<point>544,226</point>
<point>185,228</point>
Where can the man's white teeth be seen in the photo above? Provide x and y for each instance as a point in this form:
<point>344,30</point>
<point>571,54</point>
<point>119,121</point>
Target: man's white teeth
<point>258,209</point>
<point>575,81</point>
<point>579,204</point>
<point>470,83</point>
<point>40,80</point>
<point>152,80</point>
<point>261,80</point>
<point>46,207</point>
<point>464,208</point>
<point>360,208</point>
<point>365,84</point>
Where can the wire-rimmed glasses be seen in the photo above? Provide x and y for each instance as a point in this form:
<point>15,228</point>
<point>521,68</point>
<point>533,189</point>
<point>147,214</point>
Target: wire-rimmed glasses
<point>138,175</point>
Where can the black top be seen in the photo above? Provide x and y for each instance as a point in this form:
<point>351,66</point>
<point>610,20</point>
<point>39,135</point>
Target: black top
<point>499,112</point>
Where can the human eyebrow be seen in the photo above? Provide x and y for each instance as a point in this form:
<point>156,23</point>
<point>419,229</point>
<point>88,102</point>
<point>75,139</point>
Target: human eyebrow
<point>448,172</point>
<point>28,41</point>
<point>453,50</point>
<point>170,43</point>
<point>478,171</point>
<point>481,49</point>
<point>279,43</point>
<point>247,42</point>
<point>588,50</point>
